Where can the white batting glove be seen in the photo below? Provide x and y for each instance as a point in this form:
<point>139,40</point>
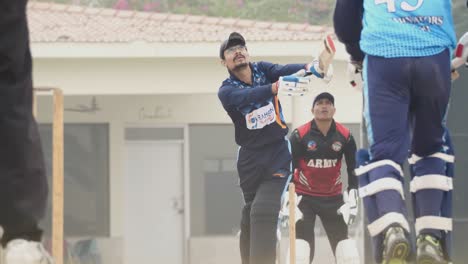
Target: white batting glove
<point>349,209</point>
<point>313,68</point>
<point>284,212</point>
<point>296,84</point>
<point>354,74</point>
<point>460,56</point>
<point>461,52</point>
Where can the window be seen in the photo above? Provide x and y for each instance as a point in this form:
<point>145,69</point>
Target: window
<point>216,200</point>
<point>86,178</point>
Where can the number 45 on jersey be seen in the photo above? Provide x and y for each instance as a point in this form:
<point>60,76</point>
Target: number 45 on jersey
<point>391,6</point>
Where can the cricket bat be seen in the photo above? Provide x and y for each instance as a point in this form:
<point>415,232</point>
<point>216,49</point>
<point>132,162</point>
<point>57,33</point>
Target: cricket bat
<point>292,223</point>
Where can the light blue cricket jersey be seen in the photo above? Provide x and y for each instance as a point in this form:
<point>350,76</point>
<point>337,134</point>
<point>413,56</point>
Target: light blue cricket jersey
<point>407,28</point>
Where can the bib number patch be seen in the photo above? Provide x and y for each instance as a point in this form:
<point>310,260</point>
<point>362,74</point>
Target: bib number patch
<point>261,117</point>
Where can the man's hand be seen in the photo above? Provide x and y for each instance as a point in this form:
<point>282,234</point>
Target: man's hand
<point>354,74</point>
<point>296,84</point>
<point>349,209</point>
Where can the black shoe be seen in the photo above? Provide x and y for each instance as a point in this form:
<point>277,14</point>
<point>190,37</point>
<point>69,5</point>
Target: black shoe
<point>429,250</point>
<point>396,246</point>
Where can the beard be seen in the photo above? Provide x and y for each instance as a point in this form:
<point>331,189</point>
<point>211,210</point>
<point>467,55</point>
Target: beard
<point>240,66</point>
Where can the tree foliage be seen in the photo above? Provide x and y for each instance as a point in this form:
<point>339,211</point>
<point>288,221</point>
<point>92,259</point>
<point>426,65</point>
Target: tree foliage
<point>315,12</point>
<point>298,11</point>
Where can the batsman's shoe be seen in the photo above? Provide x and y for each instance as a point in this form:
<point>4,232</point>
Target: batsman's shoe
<point>396,246</point>
<point>429,250</point>
<point>20,251</point>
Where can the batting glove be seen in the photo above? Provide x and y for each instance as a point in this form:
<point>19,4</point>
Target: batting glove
<point>349,209</point>
<point>354,74</point>
<point>296,84</point>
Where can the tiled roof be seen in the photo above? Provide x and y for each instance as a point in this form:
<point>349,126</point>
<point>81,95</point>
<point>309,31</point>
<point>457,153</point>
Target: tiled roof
<point>50,22</point>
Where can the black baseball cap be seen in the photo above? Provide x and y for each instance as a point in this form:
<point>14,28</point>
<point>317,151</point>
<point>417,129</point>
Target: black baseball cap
<point>324,95</point>
<point>233,40</point>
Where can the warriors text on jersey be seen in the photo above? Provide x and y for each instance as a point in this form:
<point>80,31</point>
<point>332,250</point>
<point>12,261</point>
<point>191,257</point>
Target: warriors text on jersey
<point>317,159</point>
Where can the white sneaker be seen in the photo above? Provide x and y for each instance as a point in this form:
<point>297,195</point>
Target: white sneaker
<point>20,251</point>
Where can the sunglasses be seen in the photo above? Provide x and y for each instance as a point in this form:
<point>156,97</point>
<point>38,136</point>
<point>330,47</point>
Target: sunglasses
<point>235,49</point>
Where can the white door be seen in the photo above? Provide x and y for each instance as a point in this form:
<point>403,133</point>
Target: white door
<point>153,201</point>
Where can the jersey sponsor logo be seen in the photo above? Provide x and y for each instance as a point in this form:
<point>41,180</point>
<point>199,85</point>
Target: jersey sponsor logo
<point>311,146</point>
<point>336,146</point>
<point>322,163</point>
<point>261,117</point>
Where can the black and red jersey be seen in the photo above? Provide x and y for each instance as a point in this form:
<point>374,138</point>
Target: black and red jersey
<point>317,158</point>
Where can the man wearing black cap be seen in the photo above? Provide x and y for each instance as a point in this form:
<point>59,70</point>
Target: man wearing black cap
<point>249,96</point>
<point>317,150</point>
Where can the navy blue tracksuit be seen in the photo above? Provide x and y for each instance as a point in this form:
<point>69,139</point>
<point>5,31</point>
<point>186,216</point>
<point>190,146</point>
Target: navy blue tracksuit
<point>406,117</point>
<point>264,159</point>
